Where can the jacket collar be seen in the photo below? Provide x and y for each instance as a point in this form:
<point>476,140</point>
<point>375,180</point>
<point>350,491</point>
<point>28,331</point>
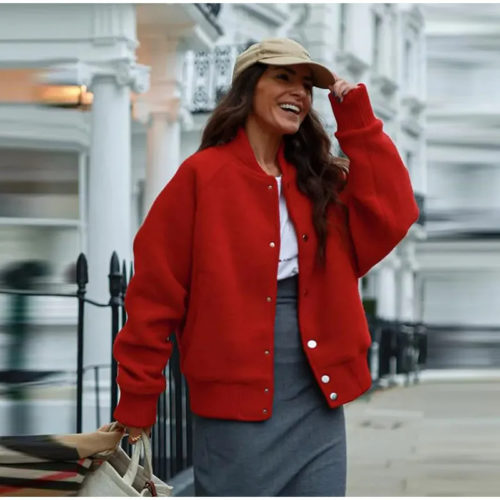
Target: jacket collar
<point>243,150</point>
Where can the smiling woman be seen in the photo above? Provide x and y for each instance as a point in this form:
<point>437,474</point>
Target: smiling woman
<point>255,103</point>
<point>282,99</point>
<point>258,277</point>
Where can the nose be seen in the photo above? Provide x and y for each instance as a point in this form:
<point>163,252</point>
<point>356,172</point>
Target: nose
<point>299,91</point>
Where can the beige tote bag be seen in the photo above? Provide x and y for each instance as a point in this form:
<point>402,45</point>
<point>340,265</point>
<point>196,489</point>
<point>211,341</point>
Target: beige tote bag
<point>121,476</point>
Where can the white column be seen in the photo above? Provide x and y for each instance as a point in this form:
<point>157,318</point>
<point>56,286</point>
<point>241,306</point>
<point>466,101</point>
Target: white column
<point>357,40</point>
<point>406,295</point>
<point>109,178</point>
<point>386,287</point>
<point>406,282</point>
<point>163,103</point>
<point>164,139</point>
<point>109,199</point>
<point>82,199</point>
<point>419,296</point>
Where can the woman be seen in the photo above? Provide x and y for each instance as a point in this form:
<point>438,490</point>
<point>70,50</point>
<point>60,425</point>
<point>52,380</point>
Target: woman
<point>252,255</point>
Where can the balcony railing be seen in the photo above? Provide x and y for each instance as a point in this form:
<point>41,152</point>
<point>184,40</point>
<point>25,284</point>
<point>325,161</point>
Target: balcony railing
<point>208,76</point>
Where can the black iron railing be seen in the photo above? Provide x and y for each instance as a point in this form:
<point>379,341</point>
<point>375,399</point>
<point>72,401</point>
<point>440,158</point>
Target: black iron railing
<point>171,436</point>
<point>397,348</point>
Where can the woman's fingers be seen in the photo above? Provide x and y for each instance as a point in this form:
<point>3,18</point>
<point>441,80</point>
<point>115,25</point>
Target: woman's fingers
<point>338,88</point>
<point>135,433</point>
<point>341,87</point>
<point>120,427</point>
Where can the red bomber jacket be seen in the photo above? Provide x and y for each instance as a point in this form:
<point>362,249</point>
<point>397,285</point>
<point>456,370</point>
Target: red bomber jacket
<point>206,270</point>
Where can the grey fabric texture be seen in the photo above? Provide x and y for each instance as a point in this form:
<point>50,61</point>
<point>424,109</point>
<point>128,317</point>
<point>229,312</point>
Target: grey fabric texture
<point>299,451</point>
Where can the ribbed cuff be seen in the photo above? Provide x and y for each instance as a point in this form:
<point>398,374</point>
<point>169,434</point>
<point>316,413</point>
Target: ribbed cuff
<point>355,110</point>
<point>136,410</point>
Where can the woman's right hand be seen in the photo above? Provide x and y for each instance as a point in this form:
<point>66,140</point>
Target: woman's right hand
<point>134,433</point>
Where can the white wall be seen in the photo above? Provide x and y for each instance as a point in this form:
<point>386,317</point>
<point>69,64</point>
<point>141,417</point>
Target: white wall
<point>464,187</point>
<point>464,85</point>
<point>467,297</point>
<point>461,277</point>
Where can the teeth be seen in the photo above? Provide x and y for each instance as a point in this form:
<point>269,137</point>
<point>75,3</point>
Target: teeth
<point>291,107</point>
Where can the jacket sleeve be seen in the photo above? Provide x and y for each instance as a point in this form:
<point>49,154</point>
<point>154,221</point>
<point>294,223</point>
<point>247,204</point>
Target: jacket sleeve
<point>156,299</point>
<point>380,202</point>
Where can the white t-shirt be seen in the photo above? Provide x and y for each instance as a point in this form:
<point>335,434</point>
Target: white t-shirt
<point>288,260</point>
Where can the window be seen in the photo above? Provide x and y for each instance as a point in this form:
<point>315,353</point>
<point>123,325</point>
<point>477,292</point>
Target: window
<point>342,25</point>
<point>409,161</point>
<point>377,42</point>
<point>407,63</point>
<point>410,61</point>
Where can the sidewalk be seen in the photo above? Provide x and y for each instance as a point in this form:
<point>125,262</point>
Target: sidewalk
<point>436,438</point>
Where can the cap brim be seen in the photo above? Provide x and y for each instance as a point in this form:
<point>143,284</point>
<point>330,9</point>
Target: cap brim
<point>322,76</point>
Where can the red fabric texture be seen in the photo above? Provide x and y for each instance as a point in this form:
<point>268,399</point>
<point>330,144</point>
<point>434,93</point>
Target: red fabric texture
<point>205,269</point>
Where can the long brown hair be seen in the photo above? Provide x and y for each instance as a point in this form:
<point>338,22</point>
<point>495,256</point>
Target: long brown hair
<point>320,175</point>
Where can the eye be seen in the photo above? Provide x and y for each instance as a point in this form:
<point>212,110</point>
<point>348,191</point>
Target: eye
<point>286,77</point>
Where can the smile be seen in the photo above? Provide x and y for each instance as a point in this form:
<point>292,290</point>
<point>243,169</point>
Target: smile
<point>290,107</point>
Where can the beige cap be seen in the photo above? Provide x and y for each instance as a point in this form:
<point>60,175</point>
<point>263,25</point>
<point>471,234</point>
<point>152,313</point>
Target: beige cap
<point>282,52</point>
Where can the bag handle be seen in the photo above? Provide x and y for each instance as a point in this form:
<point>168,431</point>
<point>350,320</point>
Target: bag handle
<point>131,473</point>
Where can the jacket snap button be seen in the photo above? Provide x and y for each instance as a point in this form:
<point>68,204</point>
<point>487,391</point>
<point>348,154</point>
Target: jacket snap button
<point>312,344</point>
<point>333,396</point>
<point>266,389</point>
<point>270,186</point>
<point>264,410</point>
<point>325,379</point>
<point>269,299</point>
<point>305,237</point>
<point>272,244</point>
<point>266,352</point>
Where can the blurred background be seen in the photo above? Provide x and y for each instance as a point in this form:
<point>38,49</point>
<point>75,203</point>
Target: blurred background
<point>100,104</point>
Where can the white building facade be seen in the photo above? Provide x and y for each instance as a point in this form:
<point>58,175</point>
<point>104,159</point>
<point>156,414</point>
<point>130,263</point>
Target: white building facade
<point>81,178</point>
<point>459,263</point>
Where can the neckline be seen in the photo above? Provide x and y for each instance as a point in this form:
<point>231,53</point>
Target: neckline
<point>245,152</point>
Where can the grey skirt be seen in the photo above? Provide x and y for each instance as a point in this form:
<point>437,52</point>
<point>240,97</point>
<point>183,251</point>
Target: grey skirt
<point>299,451</point>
